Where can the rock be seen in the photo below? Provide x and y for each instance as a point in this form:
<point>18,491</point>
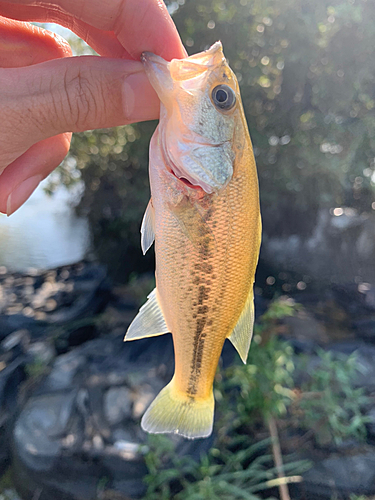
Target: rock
<point>41,352</point>
<point>339,248</point>
<point>354,298</point>
<point>9,494</point>
<point>340,476</point>
<point>91,293</point>
<point>304,331</point>
<point>365,329</point>
<point>54,298</point>
<point>118,404</point>
<point>82,424</point>
<point>11,376</point>
<point>371,424</point>
<point>11,323</point>
<point>19,338</point>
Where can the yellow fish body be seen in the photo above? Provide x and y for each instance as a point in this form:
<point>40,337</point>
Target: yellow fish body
<point>204,216</point>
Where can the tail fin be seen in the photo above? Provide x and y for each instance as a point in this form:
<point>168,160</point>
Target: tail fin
<point>179,414</point>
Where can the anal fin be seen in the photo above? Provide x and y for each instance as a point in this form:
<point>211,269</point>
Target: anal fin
<point>149,321</point>
<point>243,331</point>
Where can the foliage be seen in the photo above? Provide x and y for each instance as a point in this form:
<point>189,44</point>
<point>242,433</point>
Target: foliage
<point>238,471</point>
<point>36,368</point>
<point>306,71</point>
<point>6,487</point>
<point>113,166</point>
<point>265,383</point>
<point>331,404</point>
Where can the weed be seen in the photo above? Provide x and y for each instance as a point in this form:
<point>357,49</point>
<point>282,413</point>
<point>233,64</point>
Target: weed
<point>331,404</point>
<point>240,470</point>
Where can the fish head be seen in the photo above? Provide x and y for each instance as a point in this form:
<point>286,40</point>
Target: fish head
<point>200,113</point>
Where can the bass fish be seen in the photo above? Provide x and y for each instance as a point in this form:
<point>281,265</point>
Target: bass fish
<point>205,220</point>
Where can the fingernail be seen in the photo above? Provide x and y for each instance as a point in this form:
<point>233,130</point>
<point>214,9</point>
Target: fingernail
<point>21,193</point>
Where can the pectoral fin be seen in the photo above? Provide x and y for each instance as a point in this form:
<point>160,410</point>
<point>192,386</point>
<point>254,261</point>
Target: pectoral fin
<point>149,322</point>
<point>148,228</point>
<point>243,331</point>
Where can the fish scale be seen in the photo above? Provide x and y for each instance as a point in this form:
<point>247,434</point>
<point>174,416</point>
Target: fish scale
<point>206,242</point>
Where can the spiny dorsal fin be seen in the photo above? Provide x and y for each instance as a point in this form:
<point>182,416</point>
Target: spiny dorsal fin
<point>149,322</point>
<point>243,331</point>
<point>148,228</point>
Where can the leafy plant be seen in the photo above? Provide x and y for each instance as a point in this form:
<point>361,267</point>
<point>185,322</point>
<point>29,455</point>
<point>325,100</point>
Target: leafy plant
<point>331,404</point>
<point>36,368</point>
<point>237,468</point>
<point>240,470</point>
<point>361,497</point>
<point>6,487</point>
<point>265,383</point>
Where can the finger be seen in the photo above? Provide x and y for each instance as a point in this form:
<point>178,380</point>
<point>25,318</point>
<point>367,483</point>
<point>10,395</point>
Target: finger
<point>139,26</point>
<point>20,179</point>
<point>23,44</point>
<point>103,42</point>
<point>71,95</point>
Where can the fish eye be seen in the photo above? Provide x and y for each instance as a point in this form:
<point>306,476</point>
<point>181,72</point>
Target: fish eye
<point>223,97</point>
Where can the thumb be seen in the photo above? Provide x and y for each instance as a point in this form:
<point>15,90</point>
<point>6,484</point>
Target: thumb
<point>71,95</point>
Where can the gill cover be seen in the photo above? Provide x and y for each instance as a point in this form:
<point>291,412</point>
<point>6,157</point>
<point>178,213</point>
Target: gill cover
<point>198,115</point>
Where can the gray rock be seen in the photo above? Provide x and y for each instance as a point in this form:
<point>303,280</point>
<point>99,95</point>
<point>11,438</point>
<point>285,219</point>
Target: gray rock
<point>82,423</point>
<point>64,370</point>
<point>42,352</point>
<point>11,376</point>
<point>365,329</point>
<point>9,494</point>
<point>371,423</point>
<point>340,248</point>
<point>117,404</point>
<point>40,431</point>
<point>18,337</point>
<point>342,476</point>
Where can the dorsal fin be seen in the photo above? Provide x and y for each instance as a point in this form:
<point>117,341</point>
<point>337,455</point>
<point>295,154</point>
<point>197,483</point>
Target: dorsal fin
<point>148,228</point>
<point>243,331</point>
<point>149,322</point>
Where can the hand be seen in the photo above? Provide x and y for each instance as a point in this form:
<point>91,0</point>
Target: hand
<point>45,94</point>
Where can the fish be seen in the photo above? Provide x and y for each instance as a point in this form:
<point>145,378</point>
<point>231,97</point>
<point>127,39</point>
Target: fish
<point>204,219</point>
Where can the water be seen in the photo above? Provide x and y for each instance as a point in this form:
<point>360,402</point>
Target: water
<point>44,233</point>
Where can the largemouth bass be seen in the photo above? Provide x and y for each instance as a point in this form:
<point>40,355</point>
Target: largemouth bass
<point>204,217</point>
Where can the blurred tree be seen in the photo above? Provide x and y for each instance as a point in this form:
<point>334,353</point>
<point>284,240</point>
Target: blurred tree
<point>306,71</point>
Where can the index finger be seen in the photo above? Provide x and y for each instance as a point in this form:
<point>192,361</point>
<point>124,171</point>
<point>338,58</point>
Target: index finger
<point>139,25</point>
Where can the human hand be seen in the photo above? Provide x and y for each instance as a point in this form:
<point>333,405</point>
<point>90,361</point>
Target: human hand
<point>45,94</point>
